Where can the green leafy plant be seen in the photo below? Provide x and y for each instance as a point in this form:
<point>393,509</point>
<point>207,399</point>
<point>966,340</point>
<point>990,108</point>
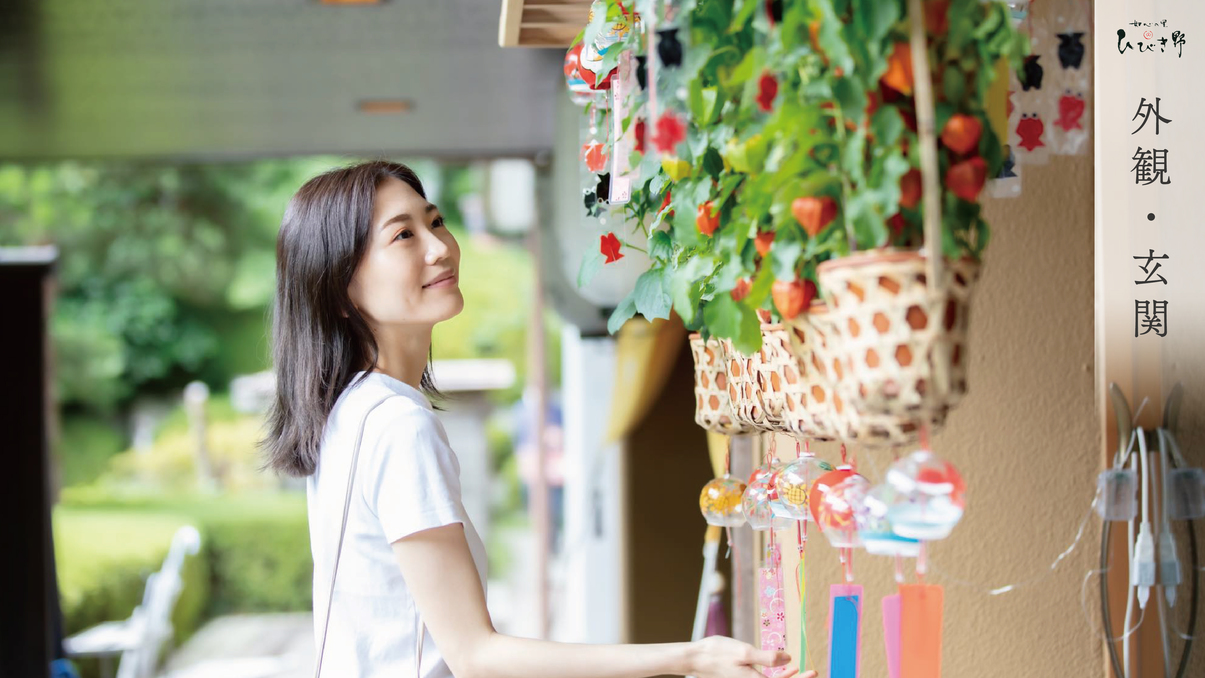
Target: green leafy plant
<point>802,144</point>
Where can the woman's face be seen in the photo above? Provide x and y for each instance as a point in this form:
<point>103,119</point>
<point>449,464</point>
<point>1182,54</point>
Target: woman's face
<point>409,275</point>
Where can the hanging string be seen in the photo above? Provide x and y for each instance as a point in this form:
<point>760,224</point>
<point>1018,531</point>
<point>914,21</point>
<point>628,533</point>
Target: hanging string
<point>999,590</point>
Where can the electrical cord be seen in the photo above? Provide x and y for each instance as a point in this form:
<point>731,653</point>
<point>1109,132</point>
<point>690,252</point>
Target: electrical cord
<point>1118,672</point>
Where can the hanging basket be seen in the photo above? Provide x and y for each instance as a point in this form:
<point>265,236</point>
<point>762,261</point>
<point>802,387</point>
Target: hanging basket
<point>755,382</point>
<point>713,410</point>
<point>901,345</point>
<point>811,407</point>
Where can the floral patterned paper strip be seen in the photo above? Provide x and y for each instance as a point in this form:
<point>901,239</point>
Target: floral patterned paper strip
<point>773,608</point>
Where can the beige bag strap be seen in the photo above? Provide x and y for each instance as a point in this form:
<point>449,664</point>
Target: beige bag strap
<point>351,477</point>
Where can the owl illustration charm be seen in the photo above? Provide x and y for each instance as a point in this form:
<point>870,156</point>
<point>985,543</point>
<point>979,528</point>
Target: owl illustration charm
<point>1071,50</point>
<point>1033,73</point>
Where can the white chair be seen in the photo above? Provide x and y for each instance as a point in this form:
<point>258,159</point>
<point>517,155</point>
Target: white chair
<point>140,639</point>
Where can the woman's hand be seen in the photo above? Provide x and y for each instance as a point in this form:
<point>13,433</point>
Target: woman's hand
<point>721,657</point>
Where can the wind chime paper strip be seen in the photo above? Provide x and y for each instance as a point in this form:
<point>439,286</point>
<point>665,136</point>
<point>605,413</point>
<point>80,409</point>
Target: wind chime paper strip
<point>803,612</point>
<point>773,608</point>
<point>622,174</point>
<point>891,634</point>
<point>845,615</point>
<point>920,630</point>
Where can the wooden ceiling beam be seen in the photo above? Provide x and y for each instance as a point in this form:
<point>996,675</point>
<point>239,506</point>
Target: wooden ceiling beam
<point>541,23</point>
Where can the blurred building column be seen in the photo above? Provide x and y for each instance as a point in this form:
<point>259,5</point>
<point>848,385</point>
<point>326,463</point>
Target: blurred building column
<point>590,607</point>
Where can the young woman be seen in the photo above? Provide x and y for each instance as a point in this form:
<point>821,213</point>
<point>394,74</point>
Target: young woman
<point>365,269</point>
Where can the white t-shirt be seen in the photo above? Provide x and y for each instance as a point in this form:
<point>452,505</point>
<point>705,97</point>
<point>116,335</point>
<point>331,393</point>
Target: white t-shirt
<point>407,480</point>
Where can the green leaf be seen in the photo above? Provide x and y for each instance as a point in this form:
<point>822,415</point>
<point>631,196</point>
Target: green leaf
<point>762,283</point>
<point>830,38</point>
<point>876,17</point>
<point>709,95</point>
<point>592,263</point>
<point>852,159</point>
<point>784,256</point>
<point>953,85</point>
<point>621,314</point>
<point>651,294</point>
<point>661,248</point>
<point>713,164</point>
<point>742,10</point>
<point>729,320</point>
<point>887,126</point>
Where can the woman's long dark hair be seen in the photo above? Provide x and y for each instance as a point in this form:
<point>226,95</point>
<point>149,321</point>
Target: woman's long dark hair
<point>319,339</point>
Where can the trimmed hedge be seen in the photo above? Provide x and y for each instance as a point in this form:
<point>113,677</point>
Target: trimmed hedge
<point>255,556</point>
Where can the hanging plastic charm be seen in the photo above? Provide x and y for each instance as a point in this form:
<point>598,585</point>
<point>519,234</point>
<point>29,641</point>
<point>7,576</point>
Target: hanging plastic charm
<point>594,154</point>
<point>931,496</point>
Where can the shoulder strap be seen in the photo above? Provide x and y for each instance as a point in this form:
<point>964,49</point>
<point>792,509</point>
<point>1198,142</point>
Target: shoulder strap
<point>351,477</point>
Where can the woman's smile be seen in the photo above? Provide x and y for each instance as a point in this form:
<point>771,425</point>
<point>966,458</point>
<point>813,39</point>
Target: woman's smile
<point>446,280</point>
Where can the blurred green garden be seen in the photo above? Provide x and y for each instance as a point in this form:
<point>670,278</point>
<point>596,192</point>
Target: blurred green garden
<point>165,277</point>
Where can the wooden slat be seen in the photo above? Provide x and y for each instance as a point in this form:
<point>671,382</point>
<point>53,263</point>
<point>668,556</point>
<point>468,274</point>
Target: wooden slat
<point>508,23</point>
<point>541,23</point>
<point>542,37</point>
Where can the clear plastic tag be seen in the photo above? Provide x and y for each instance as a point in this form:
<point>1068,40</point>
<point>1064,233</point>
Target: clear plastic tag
<point>1117,494</point>
<point>1187,497</point>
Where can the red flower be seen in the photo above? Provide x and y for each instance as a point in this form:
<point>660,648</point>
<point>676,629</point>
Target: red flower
<point>767,89</point>
<point>609,246</point>
<point>640,135</point>
<point>671,131</point>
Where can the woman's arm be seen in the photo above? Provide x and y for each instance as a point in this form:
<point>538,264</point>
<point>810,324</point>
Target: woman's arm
<point>440,574</point>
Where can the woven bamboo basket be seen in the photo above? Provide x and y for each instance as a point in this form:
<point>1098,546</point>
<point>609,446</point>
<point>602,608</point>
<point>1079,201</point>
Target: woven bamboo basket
<point>755,382</point>
<point>811,405</point>
<point>900,348</point>
<point>713,410</point>
<point>898,319</point>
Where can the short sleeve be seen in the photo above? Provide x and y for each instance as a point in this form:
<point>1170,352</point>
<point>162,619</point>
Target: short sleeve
<point>413,479</point>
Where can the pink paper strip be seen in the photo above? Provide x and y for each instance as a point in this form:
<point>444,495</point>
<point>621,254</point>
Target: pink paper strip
<point>891,634</point>
<point>773,609</point>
